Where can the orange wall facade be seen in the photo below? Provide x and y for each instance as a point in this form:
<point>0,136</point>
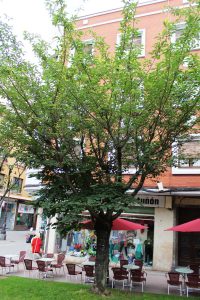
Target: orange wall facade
<point>149,17</point>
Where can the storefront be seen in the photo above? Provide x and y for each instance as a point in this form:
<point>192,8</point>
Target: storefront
<point>173,249</point>
<point>155,210</point>
<point>17,214</point>
<point>155,245</point>
<point>187,243</point>
<point>25,217</point>
<point>7,214</point>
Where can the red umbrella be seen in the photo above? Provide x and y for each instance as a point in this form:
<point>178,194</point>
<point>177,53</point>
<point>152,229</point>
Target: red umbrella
<point>118,224</point>
<point>192,226</point>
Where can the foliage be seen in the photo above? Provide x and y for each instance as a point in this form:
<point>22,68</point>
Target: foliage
<point>81,117</point>
<point>85,119</point>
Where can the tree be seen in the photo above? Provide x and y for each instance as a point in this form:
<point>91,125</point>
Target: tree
<point>84,119</point>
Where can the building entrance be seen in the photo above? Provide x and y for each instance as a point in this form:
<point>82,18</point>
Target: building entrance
<point>188,242</point>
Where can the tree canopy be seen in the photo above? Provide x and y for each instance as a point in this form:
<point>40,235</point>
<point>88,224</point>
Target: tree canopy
<point>85,118</point>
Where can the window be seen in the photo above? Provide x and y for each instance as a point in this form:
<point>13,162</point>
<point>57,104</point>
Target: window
<point>89,47</point>
<point>17,184</point>
<point>139,41</point>
<point>188,156</point>
<point>179,31</point>
<point>71,55</point>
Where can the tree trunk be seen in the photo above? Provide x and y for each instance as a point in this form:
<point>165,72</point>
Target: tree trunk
<point>102,256</point>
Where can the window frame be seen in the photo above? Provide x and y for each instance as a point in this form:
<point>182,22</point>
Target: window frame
<point>143,41</point>
<point>17,188</point>
<point>187,170</point>
<point>72,51</point>
<point>174,39</point>
<point>90,42</point>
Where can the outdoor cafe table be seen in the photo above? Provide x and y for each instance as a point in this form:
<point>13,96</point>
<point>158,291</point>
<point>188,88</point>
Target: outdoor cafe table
<point>88,263</point>
<point>184,271</point>
<point>131,267</point>
<point>47,260</point>
<point>10,257</point>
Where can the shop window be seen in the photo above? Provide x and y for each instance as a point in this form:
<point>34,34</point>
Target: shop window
<point>187,154</point>
<point>17,184</point>
<point>138,41</point>
<point>25,220</point>
<point>179,28</point>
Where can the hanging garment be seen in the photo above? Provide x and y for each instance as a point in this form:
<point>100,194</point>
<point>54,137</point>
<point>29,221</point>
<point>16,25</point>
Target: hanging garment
<point>130,237</point>
<point>77,237</point>
<point>36,244</point>
<point>69,239</point>
<point>139,251</point>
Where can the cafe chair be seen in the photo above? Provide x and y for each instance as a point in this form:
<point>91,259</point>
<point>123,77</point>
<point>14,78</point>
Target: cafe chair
<point>195,268</point>
<point>173,280</point>
<point>119,274</point>
<point>5,265</point>
<point>29,265</point>
<point>139,262</point>
<point>192,283</point>
<point>59,264</point>
<point>138,277</point>
<point>43,269</point>
<point>89,273</point>
<point>22,255</point>
<point>71,268</point>
<point>123,262</point>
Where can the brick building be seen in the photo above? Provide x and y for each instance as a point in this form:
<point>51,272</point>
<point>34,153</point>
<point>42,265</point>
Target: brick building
<point>176,198</point>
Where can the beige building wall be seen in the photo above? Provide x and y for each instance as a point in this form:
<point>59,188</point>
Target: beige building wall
<point>50,237</point>
<point>18,171</point>
<point>163,240</point>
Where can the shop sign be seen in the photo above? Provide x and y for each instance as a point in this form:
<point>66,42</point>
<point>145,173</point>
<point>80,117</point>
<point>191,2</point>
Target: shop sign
<point>152,201</point>
<point>25,209</point>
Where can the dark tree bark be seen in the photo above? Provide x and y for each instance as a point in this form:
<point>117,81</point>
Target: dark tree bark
<point>102,259</point>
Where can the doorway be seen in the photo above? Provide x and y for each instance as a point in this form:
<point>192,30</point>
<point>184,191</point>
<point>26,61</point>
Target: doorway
<point>188,242</point>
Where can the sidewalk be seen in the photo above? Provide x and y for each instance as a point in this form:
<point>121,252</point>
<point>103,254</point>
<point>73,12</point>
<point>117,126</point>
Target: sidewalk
<point>15,242</point>
<point>156,281</point>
